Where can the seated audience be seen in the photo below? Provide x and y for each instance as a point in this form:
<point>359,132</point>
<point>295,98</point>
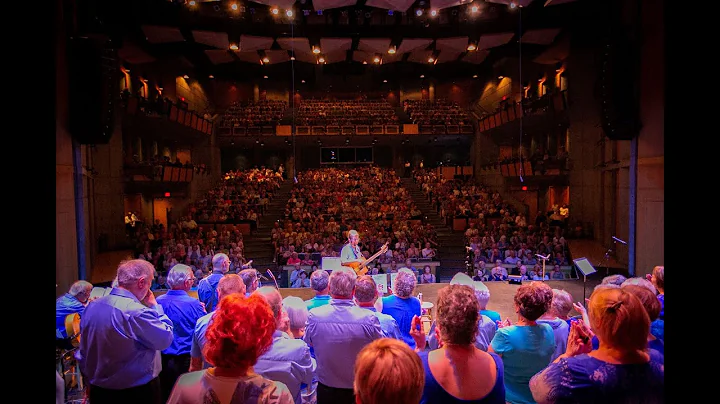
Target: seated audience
<point>388,371</point>
<point>621,370</point>
<point>458,372</point>
<point>241,331</point>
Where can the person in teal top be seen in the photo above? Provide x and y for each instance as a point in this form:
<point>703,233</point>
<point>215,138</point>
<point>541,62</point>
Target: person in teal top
<point>527,346</point>
<point>319,283</point>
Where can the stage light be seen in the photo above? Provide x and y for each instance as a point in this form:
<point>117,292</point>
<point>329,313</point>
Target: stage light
<point>211,76</point>
<point>392,50</point>
<point>501,77</point>
<point>418,12</point>
<point>431,59</point>
<point>274,11</point>
<point>234,6</point>
<point>364,62</point>
<point>513,5</point>
<point>433,13</point>
<point>390,12</point>
<point>191,2</point>
<point>167,194</point>
<point>377,59</point>
<point>266,60</point>
<point>292,57</point>
<point>316,50</point>
<point>422,76</point>
<point>471,47</point>
<point>524,188</point>
<point>474,76</point>
<point>319,12</point>
<point>186,77</point>
<point>302,81</point>
<point>234,47</point>
<point>474,9</point>
<point>321,60</point>
<point>384,81</point>
<point>265,77</point>
<point>289,13</point>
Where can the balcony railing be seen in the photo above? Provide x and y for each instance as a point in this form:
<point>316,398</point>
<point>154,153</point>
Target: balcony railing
<point>510,112</point>
<point>165,108</point>
<point>318,130</point>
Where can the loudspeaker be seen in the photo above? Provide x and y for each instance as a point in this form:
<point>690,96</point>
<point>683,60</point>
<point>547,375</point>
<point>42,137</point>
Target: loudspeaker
<point>93,81</point>
<point>619,88</point>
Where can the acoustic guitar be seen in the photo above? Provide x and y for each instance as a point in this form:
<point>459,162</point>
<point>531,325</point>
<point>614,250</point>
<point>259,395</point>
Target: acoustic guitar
<point>72,328</point>
<point>360,268</point>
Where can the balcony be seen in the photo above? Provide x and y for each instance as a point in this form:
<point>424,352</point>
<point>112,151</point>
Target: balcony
<point>154,117</point>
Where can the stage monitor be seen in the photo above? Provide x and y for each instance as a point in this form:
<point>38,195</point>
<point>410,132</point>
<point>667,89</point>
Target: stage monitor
<point>584,266</point>
<point>515,279</point>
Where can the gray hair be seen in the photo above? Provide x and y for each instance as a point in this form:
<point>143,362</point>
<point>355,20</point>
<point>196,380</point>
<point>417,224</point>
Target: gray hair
<point>461,278</point>
<point>297,311</point>
<point>131,271</point>
<point>562,302</point>
<point>178,275</point>
<point>405,282</point>
<point>114,283</point>
<point>274,299</point>
<point>218,260</point>
<point>482,294</point>
<point>640,282</point>
<point>606,286</point>
<point>319,280</point>
<point>342,282</point>
<point>365,289</point>
<point>248,276</point>
<point>80,287</point>
<point>616,279</point>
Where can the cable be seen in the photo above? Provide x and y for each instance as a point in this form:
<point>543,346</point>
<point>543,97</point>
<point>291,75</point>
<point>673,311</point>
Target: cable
<point>521,89</point>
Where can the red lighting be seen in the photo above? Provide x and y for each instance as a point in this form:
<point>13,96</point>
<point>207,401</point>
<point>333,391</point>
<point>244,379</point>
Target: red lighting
<point>167,194</point>
<point>524,188</point>
<point>504,97</point>
<point>182,98</point>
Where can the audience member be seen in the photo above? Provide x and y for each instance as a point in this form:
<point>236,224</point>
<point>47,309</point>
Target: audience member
<point>402,305</point>
<point>74,301</point>
<point>288,360</point>
<point>366,294</point>
<point>123,334</point>
<point>184,311</point>
<point>208,285</point>
<point>338,331</point>
<point>241,331</point>
<point>228,284</point>
<point>388,371</point>
<point>297,313</point>
<point>527,346</point>
<point>560,306</point>
<point>657,278</point>
<point>458,371</point>
<point>250,278</point>
<point>319,283</point>
<point>620,371</point>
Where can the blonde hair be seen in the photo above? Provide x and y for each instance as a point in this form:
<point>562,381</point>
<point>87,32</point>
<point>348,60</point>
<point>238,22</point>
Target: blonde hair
<point>619,319</point>
<point>388,371</point>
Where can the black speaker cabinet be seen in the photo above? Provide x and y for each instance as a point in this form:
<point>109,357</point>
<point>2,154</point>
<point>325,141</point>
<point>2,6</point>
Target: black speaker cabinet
<point>620,88</point>
<point>93,90</point>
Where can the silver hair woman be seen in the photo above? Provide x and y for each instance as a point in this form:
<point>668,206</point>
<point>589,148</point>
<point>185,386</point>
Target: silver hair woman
<point>297,312</point>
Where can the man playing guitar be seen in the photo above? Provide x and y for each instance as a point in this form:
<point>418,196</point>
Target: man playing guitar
<point>352,257</point>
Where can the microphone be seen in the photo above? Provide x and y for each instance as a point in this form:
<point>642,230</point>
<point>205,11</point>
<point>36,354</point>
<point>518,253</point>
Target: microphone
<point>269,272</point>
<point>618,240</point>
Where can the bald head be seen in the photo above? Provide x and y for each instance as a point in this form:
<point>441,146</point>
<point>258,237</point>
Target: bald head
<point>273,297</point>
<point>229,284</point>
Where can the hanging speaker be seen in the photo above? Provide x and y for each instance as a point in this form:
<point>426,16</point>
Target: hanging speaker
<point>93,83</point>
<point>619,88</point>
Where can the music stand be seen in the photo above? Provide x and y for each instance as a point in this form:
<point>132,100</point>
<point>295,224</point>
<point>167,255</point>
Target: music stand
<point>586,269</point>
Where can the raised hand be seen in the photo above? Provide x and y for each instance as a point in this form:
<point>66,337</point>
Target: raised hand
<point>579,339</point>
<point>417,333</point>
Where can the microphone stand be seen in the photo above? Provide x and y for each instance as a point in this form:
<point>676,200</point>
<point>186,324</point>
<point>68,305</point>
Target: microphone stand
<point>269,272</point>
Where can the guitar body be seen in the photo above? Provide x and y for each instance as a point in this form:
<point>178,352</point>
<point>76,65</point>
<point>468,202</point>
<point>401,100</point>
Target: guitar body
<point>72,328</point>
<point>359,267</point>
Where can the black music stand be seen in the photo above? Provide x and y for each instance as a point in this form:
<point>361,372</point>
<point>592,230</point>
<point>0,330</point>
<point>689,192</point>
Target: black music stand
<point>586,269</point>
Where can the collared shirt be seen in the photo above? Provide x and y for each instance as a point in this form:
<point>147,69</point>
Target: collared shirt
<point>350,254</point>
<point>121,341</point>
<point>317,301</point>
<point>184,311</point>
<point>402,310</point>
<point>64,306</point>
<point>388,324</point>
<point>198,339</point>
<point>338,331</point>
<point>288,360</point>
<point>207,290</point>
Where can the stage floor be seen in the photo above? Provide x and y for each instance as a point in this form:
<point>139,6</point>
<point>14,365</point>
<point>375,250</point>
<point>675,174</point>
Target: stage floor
<point>501,293</point>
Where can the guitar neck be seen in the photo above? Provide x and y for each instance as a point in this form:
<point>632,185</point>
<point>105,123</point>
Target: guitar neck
<point>367,261</point>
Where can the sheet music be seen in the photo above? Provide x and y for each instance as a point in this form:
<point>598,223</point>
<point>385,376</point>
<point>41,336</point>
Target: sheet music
<point>99,292</point>
<point>381,282</point>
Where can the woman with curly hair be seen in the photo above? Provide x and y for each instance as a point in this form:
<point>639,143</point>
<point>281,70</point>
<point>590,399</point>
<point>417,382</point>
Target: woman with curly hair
<point>458,372</point>
<point>527,346</point>
<point>241,330</point>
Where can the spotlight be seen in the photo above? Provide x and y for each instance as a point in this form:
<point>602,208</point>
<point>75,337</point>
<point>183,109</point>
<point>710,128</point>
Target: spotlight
<point>392,50</point>
<point>418,12</point>
<point>234,47</point>
<point>275,11</point>
<point>377,59</point>
<point>321,60</point>
<point>289,13</point>
<point>316,50</point>
<point>266,60</point>
<point>191,2</point>
<point>431,59</point>
<point>474,9</point>
<point>433,13</point>
<point>471,47</point>
<point>234,6</point>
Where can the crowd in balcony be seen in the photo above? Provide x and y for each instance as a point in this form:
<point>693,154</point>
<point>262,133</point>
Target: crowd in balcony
<point>497,233</point>
<point>326,203</point>
<point>437,112</point>
<point>345,112</point>
<point>261,113</point>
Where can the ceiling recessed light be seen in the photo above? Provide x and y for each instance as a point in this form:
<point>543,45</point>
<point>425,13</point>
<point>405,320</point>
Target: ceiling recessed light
<point>471,47</point>
<point>266,60</point>
<point>422,76</point>
<point>234,47</point>
<point>186,77</point>
<point>384,81</point>
<point>265,77</point>
<point>211,76</point>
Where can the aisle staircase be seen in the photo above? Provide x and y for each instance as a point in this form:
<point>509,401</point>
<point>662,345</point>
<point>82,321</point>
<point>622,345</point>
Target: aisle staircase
<point>451,250</point>
<point>258,245</point>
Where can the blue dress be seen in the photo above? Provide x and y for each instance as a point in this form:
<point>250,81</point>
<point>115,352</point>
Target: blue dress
<point>584,379</point>
<point>434,393</point>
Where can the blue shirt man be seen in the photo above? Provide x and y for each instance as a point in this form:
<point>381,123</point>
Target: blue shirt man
<point>208,285</point>
<point>72,302</point>
<point>184,311</point>
<point>122,336</point>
